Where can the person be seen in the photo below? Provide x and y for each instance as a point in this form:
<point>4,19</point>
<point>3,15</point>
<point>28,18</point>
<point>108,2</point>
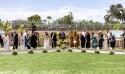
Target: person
<point>37,36</point>
<point>88,37</point>
<point>15,40</point>
<point>71,39</point>
<point>33,40</point>
<point>54,39</point>
<point>46,40</point>
<point>27,41</point>
<point>105,43</point>
<point>112,41</point>
<point>83,39</point>
<point>6,42</point>
<point>100,39</point>
<point>94,41</point>
<point>108,36</point>
<point>76,39</point>
<point>33,28</point>
<point>22,41</point>
<point>1,41</point>
<point>25,35</point>
<point>62,35</point>
<point>123,40</point>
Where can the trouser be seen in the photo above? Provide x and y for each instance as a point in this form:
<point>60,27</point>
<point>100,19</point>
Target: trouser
<point>53,44</point>
<point>15,46</point>
<point>82,44</point>
<point>100,44</point>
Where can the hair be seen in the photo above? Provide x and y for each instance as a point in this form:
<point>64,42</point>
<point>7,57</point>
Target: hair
<point>46,33</point>
<point>5,34</point>
<point>92,33</point>
<point>21,33</point>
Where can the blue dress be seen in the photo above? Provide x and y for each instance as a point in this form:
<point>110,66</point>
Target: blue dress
<point>94,42</point>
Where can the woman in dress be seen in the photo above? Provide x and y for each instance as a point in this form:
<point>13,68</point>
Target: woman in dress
<point>76,39</point>
<point>71,39</point>
<point>33,41</point>
<point>22,41</point>
<point>94,41</point>
<point>105,44</point>
<point>6,42</point>
<point>46,40</point>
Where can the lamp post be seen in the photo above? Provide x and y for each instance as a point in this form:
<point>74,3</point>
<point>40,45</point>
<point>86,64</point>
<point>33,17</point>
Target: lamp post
<point>69,27</point>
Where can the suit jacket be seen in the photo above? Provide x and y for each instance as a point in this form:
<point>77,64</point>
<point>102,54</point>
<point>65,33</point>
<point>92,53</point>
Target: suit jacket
<point>53,37</point>
<point>15,38</point>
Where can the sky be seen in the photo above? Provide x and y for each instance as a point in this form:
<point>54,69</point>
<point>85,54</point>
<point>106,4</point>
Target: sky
<point>81,9</point>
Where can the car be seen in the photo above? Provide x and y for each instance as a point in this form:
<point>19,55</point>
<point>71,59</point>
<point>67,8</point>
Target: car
<point>54,27</point>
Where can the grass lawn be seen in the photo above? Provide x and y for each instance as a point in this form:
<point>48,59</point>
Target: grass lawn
<point>62,63</point>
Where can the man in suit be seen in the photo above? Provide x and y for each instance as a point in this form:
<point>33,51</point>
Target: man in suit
<point>54,39</point>
<point>15,40</point>
<point>83,39</point>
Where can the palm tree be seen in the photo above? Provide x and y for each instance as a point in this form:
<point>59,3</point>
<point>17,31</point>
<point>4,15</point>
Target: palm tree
<point>49,18</point>
<point>44,22</point>
<point>115,12</point>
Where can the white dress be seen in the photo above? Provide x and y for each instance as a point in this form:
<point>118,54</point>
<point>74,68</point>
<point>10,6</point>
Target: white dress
<point>46,42</point>
<point>22,42</point>
<point>105,44</point>
<point>6,42</point>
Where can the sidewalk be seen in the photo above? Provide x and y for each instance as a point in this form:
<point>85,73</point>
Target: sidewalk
<point>39,50</point>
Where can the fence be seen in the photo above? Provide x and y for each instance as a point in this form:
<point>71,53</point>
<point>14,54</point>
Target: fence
<point>91,28</point>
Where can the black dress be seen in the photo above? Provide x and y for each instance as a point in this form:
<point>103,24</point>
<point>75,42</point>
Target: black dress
<point>88,40</point>
<point>33,41</point>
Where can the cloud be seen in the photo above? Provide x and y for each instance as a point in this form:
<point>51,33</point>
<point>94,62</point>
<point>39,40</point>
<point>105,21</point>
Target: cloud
<point>78,13</point>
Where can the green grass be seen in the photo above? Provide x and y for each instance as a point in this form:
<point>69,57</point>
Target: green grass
<point>62,63</point>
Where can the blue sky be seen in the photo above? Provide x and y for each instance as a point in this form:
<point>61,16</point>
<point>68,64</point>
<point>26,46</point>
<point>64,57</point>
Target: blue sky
<point>82,9</point>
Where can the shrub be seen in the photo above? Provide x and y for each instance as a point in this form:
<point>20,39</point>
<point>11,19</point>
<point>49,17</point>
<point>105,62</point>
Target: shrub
<point>97,52</point>
<point>31,52</point>
<point>14,53</point>
<point>44,51</point>
<point>111,53</point>
<point>83,51</point>
<point>70,50</point>
<point>58,50</point>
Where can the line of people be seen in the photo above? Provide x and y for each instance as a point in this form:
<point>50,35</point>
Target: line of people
<point>24,40</point>
<point>86,40</point>
<point>75,39</point>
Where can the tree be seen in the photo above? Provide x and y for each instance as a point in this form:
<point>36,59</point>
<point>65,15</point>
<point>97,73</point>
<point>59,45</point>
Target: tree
<point>49,18</point>
<point>34,19</point>
<point>44,22</point>
<point>5,26</point>
<point>21,28</point>
<point>115,12</point>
